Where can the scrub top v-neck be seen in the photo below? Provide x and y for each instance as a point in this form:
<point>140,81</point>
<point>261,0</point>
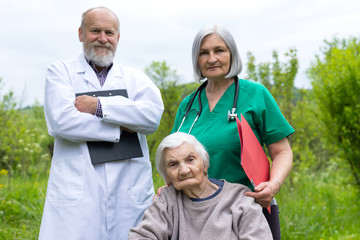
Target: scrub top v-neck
<point>220,137</point>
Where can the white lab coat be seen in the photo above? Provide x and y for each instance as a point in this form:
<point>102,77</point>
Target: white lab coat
<point>102,201</point>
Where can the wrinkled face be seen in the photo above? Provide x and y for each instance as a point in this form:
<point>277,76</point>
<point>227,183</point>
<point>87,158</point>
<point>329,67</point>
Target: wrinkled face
<point>214,57</point>
<point>184,167</point>
<point>100,36</point>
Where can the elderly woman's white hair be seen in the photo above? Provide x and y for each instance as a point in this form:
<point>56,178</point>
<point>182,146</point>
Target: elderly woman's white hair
<point>225,35</point>
<point>175,140</point>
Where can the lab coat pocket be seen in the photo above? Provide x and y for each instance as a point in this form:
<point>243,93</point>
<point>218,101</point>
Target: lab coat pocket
<point>66,181</point>
<point>141,197</point>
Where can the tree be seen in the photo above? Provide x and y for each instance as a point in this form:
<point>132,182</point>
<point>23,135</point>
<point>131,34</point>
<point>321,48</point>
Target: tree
<point>335,79</point>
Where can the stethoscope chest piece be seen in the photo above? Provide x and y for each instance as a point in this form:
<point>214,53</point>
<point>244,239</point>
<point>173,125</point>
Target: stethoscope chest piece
<point>232,116</point>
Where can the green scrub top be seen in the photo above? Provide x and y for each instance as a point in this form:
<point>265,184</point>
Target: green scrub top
<point>221,138</point>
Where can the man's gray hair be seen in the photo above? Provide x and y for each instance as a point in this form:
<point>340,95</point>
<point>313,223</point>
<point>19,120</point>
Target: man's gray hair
<point>173,141</point>
<point>83,17</point>
<point>225,35</point>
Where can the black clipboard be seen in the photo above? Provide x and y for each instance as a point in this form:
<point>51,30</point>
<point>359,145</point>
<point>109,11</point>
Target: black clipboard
<point>127,147</point>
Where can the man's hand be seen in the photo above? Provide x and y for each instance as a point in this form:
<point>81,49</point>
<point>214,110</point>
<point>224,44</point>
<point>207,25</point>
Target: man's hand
<point>86,104</point>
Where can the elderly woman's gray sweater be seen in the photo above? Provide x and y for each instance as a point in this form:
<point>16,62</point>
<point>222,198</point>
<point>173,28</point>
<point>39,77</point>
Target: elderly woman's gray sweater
<point>228,215</point>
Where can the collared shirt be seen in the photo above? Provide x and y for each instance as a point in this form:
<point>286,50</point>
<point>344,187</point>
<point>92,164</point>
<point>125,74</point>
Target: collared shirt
<point>101,75</point>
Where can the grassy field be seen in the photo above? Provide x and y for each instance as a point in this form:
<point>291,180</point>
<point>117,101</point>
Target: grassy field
<point>319,206</point>
<point>312,206</point>
<point>21,203</point>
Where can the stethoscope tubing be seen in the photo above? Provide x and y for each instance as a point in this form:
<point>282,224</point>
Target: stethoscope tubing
<point>198,92</point>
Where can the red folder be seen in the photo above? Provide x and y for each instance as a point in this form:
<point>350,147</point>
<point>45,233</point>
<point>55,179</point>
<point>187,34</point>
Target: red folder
<point>253,158</point>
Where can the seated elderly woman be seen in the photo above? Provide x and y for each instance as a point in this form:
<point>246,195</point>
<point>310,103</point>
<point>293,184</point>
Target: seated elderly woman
<point>193,206</point>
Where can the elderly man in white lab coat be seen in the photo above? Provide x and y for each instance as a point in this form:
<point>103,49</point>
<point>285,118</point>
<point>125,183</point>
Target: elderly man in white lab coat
<point>97,201</point>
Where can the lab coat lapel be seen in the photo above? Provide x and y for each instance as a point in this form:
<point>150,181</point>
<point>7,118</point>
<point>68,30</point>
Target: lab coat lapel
<point>84,69</point>
<point>114,76</point>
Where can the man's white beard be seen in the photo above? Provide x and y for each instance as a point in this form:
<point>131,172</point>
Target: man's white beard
<point>103,60</point>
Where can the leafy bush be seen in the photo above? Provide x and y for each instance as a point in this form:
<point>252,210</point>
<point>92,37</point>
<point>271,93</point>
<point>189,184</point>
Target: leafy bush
<point>336,84</point>
<point>24,148</point>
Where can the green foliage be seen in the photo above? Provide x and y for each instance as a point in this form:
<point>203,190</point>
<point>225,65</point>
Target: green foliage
<point>336,83</point>
<point>23,137</point>
<point>309,146</point>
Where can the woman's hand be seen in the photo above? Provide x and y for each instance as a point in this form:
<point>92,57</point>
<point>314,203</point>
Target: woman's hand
<point>282,159</point>
<point>265,192</point>
<point>158,192</point>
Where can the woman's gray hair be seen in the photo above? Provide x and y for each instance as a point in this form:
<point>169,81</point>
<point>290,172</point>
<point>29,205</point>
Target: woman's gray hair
<point>173,141</point>
<point>225,35</point>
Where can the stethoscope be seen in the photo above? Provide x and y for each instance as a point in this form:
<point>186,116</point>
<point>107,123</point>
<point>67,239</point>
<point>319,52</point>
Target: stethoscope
<point>231,115</point>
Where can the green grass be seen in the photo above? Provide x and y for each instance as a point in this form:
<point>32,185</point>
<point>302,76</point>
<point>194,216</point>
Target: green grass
<point>315,206</point>
<point>320,206</point>
<point>21,204</point>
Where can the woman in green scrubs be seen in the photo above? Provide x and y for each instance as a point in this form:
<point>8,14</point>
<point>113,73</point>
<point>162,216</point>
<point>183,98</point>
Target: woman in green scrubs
<point>221,137</point>
<point>216,59</point>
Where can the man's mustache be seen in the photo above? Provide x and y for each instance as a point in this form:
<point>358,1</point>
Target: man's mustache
<point>99,44</point>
